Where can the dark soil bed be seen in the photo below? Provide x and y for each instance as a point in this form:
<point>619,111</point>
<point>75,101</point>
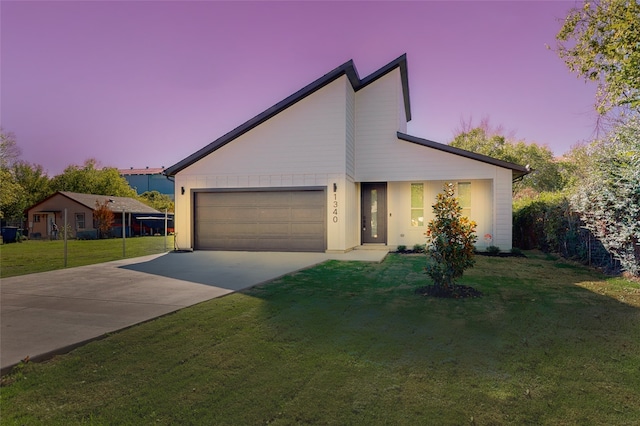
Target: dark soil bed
<point>501,254</point>
<point>479,253</point>
<point>456,291</point>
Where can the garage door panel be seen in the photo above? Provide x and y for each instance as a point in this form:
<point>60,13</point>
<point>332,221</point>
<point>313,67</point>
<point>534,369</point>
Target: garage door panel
<point>269,220</point>
<point>271,229</point>
<point>308,214</point>
<point>273,214</point>
<point>306,229</point>
<point>231,230</point>
<point>227,213</point>
<point>307,198</point>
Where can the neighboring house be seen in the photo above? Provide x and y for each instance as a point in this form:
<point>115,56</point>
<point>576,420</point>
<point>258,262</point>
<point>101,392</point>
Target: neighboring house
<point>48,215</point>
<point>148,179</point>
<point>331,168</point>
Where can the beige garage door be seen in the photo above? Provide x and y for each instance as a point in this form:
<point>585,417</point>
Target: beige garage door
<point>260,220</point>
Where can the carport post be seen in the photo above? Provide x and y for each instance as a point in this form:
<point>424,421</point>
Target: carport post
<point>65,237</point>
<point>123,235</point>
<point>165,230</point>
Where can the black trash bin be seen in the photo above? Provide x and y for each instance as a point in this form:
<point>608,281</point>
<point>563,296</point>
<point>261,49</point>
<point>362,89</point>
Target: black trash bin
<point>10,234</point>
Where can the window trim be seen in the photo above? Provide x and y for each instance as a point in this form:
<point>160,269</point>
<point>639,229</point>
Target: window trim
<point>417,209</point>
<point>84,221</point>
<point>466,209</point>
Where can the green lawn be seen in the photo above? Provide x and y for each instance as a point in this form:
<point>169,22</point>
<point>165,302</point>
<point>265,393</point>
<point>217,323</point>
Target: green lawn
<point>45,255</point>
<point>350,343</point>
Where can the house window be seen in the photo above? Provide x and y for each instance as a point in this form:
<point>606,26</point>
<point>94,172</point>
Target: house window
<point>80,221</point>
<point>36,218</point>
<point>417,204</point>
<point>464,198</point>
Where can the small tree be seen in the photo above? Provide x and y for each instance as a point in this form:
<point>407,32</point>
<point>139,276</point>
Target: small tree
<point>450,238</point>
<point>103,217</point>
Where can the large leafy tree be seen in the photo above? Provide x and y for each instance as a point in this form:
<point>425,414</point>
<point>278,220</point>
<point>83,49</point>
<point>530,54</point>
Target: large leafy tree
<point>90,178</point>
<point>601,42</point>
<point>9,188</point>
<point>32,185</point>
<point>608,198</point>
<point>547,172</point>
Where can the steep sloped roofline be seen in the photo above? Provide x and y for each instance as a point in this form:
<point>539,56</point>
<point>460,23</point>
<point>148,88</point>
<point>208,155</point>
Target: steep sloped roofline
<point>516,169</point>
<point>131,205</point>
<point>348,69</point>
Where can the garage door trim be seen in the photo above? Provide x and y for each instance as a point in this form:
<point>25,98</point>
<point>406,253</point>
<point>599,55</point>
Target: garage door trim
<point>290,240</point>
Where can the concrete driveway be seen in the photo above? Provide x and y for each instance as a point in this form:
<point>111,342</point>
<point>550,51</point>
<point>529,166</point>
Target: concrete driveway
<point>53,312</point>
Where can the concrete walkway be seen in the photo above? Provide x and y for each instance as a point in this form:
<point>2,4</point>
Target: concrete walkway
<point>50,313</point>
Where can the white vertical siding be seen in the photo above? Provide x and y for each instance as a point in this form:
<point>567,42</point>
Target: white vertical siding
<point>376,125</point>
<point>503,207</point>
<point>352,213</point>
<point>183,216</point>
<point>336,214</point>
<point>350,127</point>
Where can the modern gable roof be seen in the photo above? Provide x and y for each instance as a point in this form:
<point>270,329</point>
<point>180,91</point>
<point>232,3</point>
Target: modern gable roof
<point>348,69</point>
<point>516,169</point>
<point>115,204</point>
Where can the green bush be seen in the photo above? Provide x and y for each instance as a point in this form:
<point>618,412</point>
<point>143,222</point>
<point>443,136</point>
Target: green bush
<point>419,248</point>
<point>549,223</point>
<point>494,250</point>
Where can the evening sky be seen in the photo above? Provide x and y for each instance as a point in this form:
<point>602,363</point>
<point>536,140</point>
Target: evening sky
<point>147,83</point>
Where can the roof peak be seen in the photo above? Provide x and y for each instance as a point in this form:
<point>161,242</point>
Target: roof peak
<point>348,68</point>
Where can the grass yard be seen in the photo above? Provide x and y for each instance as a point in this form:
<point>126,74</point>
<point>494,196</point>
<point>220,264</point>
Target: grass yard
<point>350,343</point>
<point>45,255</point>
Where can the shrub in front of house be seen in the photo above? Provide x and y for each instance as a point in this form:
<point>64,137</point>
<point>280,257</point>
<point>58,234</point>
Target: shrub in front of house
<point>493,250</point>
<point>450,249</point>
<point>91,234</point>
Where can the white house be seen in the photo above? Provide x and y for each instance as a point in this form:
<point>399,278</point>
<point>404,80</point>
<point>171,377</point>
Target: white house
<point>331,168</point>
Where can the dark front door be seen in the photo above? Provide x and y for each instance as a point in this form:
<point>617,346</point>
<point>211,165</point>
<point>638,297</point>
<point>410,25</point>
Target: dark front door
<point>374,213</point>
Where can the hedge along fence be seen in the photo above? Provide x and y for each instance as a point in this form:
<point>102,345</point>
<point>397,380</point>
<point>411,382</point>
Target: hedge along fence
<point>549,224</point>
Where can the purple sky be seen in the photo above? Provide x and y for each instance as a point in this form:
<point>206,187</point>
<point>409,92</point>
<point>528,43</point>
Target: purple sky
<point>147,83</point>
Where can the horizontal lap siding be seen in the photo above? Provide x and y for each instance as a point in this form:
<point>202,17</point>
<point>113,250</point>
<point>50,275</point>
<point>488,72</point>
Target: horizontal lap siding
<point>302,146</point>
<point>306,138</point>
<point>382,157</point>
<point>350,128</point>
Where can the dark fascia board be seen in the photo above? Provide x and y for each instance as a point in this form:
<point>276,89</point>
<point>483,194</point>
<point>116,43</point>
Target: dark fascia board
<point>517,170</point>
<point>348,69</point>
<point>400,62</point>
